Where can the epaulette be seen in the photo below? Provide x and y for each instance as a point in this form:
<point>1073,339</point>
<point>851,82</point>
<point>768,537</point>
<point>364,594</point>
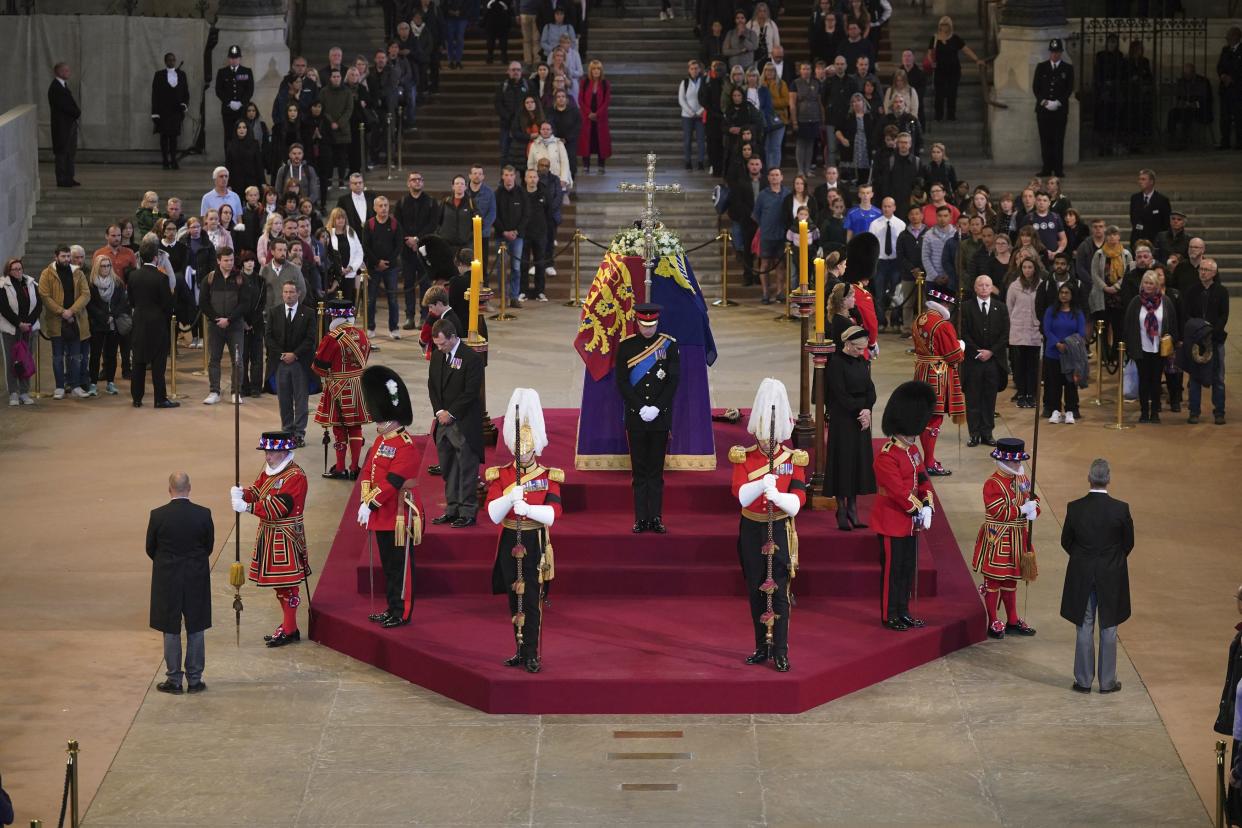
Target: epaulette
<point>737,454</point>
<point>626,338</point>
<point>556,475</point>
<point>669,338</point>
<point>492,473</point>
<point>801,458</point>
<point>888,444</point>
<point>405,435</point>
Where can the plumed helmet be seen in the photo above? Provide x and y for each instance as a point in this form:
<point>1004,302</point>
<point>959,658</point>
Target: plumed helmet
<point>909,409</point>
<point>525,404</point>
<point>771,393</point>
<point>861,256</point>
<point>386,396</point>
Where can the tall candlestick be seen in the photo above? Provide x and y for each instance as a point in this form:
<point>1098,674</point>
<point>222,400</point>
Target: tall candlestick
<point>477,221</point>
<point>476,285</point>
<point>803,253</point>
<point>820,298</point>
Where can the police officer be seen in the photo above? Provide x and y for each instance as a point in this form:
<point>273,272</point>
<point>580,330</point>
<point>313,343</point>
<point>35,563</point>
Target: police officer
<point>647,370</point>
<point>1054,81</point>
<point>234,88</point>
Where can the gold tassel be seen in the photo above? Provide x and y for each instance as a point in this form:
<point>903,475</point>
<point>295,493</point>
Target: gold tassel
<point>1030,569</point>
<point>237,574</point>
<point>519,588</point>
<point>792,536</point>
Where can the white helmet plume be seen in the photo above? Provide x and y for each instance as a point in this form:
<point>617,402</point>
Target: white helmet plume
<point>526,402</point>
<point>771,392</point>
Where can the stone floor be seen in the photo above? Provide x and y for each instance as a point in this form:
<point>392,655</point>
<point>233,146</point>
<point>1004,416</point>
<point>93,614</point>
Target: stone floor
<point>303,736</point>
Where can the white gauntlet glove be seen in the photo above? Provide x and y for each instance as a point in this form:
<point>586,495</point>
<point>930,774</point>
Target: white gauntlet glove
<point>1030,509</point>
<point>364,514</point>
<point>787,502</point>
<point>925,516</point>
<point>521,508</point>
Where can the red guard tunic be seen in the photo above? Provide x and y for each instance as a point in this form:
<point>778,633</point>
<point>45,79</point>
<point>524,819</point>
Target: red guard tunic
<point>393,460</point>
<point>541,487</point>
<point>864,302</point>
<point>340,358</point>
<point>280,545</point>
<point>1005,533</point>
<point>903,489</point>
<point>937,356</point>
<point>751,464</point>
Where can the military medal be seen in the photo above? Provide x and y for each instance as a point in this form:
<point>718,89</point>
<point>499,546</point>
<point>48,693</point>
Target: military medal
<point>660,374</point>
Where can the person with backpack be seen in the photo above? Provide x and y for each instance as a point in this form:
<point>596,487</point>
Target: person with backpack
<point>381,244</point>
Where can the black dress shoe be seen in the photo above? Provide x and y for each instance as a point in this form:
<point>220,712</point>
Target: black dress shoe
<point>1155,417</point>
<point>639,526</point>
<point>462,522</point>
<point>759,656</point>
<point>1078,688</point>
<point>515,661</point>
<point>282,638</point>
<point>167,404</point>
<point>782,663</point>
<point>896,624</point>
<point>1116,686</point>
<point>394,621</point>
<point>378,617</point>
<point>532,665</point>
<point>843,523</point>
<point>443,519</point>
<point>169,687</point>
<point>656,525</point>
<point>988,441</point>
<point>434,469</point>
<point>1020,628</point>
<point>336,474</point>
<point>994,633</point>
<point>197,688</point>
<point>353,474</point>
<point>913,622</point>
<point>138,404</point>
<point>938,470</point>
<point>972,442</point>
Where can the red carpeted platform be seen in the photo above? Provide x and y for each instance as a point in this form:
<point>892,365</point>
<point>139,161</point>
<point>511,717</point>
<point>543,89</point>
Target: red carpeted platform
<point>643,623</point>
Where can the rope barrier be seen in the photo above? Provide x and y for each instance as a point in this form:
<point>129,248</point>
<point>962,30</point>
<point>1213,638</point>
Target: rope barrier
<point>64,796</point>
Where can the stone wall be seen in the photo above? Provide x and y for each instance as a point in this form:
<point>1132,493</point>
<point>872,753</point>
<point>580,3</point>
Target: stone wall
<point>19,177</point>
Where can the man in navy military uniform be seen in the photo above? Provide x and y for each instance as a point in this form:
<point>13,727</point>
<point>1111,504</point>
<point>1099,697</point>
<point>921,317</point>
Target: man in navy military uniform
<point>647,371</point>
<point>1054,82</point>
<point>234,88</point>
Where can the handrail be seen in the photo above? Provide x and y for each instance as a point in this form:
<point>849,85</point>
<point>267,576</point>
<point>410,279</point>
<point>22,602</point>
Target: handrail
<point>989,102</point>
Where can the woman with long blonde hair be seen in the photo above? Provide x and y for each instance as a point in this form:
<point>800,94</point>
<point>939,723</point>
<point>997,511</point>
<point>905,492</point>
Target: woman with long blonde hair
<point>942,52</point>
<point>594,95</point>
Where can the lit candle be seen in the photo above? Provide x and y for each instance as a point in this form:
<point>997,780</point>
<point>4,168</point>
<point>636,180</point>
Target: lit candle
<point>476,287</point>
<point>820,299</point>
<point>478,238</point>
<point>803,253</point>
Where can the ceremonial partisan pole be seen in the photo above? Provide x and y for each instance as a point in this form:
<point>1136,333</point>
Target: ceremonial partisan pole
<point>236,575</point>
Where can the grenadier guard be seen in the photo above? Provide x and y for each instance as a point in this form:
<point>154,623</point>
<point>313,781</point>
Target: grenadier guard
<point>1005,536</point>
<point>648,369</point>
<point>277,499</point>
<point>340,359</point>
<point>769,481</point>
<point>390,505</point>
<point>903,505</point>
<point>938,355</point>
<point>525,499</point>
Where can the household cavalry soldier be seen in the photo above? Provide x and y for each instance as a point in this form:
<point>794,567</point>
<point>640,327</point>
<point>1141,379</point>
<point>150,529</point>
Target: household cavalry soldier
<point>647,372</point>
<point>390,506</point>
<point>340,359</point>
<point>903,505</point>
<point>938,355</point>
<point>769,481</point>
<point>1005,536</point>
<point>525,499</point>
<point>277,499</point>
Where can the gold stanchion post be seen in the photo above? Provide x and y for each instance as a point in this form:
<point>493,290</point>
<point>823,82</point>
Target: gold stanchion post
<point>363,278</point>
<point>919,279</point>
<point>400,142</point>
<point>724,301</point>
<point>805,299</point>
<point>786,315</point>
<point>38,374</point>
<point>1099,363</point>
<point>202,372</point>
<point>576,300</point>
<point>388,141</point>
<point>73,783</point>
<point>503,277</point>
<point>319,320</point>
<point>1120,425</point>
<point>1221,791</point>
<point>172,355</point>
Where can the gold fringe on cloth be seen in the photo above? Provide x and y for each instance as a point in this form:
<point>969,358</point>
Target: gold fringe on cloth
<point>621,462</point>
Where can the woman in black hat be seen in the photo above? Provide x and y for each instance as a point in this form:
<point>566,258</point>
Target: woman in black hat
<point>851,396</point>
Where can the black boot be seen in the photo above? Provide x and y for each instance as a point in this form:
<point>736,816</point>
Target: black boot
<point>851,512</point>
<point>782,663</point>
<point>759,656</point>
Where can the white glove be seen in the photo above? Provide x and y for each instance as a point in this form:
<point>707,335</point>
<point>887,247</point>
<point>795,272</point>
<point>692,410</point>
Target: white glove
<point>236,492</point>
<point>543,514</point>
<point>240,505</point>
<point>748,493</point>
<point>521,508</point>
<point>648,413</point>
<point>925,515</point>
<point>1052,106</point>
<point>787,502</point>
<point>875,351</point>
<point>364,514</point>
<point>1029,510</point>
<point>768,480</point>
<point>234,105</point>
<point>517,495</point>
<point>156,117</point>
<point>770,492</point>
<point>961,343</point>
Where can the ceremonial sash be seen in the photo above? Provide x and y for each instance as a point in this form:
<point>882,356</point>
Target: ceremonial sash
<point>645,359</point>
<point>531,474</point>
<point>781,460</point>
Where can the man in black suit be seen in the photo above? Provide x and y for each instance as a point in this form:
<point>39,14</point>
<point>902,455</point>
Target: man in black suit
<point>453,383</point>
<point>180,540</point>
<point>170,98</point>
<point>647,370</point>
<point>985,330</point>
<point>742,193</point>
<point>1098,535</point>
<point>65,115</point>
<point>358,203</point>
<point>234,87</point>
<point>1053,85</point>
<point>152,300</point>
<point>1149,210</point>
<point>290,334</point>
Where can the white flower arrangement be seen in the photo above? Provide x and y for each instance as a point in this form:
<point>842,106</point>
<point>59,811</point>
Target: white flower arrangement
<point>633,242</point>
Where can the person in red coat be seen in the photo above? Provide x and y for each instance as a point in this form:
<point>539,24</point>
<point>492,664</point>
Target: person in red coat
<point>862,255</point>
<point>938,355</point>
<point>769,481</point>
<point>594,95</point>
<point>389,506</point>
<point>1009,506</point>
<point>524,499</point>
<point>277,499</point>
<point>340,359</point>
<point>903,505</point>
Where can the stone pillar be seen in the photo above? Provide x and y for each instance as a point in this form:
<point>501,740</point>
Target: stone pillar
<point>258,27</point>
<point>1026,27</point>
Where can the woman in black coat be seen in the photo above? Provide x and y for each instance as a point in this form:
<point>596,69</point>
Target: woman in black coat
<point>244,158</point>
<point>851,397</point>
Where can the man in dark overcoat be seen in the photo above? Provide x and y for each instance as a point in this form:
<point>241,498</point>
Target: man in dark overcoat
<point>180,540</point>
<point>170,98</point>
<point>152,300</point>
